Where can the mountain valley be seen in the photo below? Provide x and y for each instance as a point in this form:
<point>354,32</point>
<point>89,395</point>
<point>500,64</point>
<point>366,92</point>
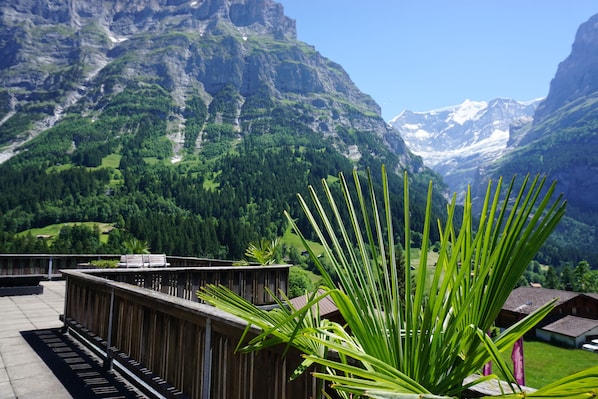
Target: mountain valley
<point>476,142</point>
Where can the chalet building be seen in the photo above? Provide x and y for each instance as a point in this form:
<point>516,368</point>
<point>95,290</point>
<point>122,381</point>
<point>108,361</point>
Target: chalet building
<point>569,331</point>
<point>573,321</point>
<point>326,307</point>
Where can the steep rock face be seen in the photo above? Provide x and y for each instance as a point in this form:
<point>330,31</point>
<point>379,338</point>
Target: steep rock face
<point>126,17</point>
<point>76,56</point>
<point>562,141</point>
<point>459,141</point>
<point>577,75</point>
<point>53,34</point>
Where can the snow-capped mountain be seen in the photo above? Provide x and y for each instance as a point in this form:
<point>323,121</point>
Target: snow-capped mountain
<point>457,141</point>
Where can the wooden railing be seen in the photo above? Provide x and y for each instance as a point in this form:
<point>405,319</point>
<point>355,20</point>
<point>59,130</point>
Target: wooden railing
<point>179,347</point>
<point>254,283</point>
<point>45,264</point>
<point>50,264</point>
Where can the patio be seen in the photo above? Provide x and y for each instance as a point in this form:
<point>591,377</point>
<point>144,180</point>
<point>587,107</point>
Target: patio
<point>37,360</point>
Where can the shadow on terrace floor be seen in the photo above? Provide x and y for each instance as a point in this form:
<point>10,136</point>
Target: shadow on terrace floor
<point>81,373</point>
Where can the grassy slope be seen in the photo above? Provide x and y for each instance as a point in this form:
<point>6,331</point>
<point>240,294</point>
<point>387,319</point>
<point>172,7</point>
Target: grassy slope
<point>545,363</point>
<point>54,229</point>
<point>292,240</point>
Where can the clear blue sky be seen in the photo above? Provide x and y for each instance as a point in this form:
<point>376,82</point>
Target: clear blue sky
<point>421,54</point>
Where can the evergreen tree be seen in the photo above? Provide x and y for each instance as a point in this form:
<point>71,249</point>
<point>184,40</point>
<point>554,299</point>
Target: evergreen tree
<point>582,278</point>
<point>552,280</point>
<point>567,278</point>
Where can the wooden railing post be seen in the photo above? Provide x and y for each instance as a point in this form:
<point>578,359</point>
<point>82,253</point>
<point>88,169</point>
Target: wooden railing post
<point>207,361</point>
<point>165,282</point>
<point>65,327</point>
<point>108,361</point>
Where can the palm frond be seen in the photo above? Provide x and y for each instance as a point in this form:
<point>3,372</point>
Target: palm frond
<point>426,339</point>
<point>581,385</point>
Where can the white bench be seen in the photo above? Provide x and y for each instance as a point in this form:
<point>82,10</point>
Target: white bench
<point>143,260</point>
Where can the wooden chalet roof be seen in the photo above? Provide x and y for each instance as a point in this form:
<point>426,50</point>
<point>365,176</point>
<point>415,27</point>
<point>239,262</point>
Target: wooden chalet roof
<point>572,326</point>
<point>327,306</point>
<point>525,300</point>
<point>591,295</point>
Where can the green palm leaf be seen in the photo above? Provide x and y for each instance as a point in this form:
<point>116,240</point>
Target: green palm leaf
<point>582,385</point>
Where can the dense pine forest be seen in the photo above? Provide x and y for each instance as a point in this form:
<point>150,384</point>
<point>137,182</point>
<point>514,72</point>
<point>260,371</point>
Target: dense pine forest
<point>199,179</point>
<point>211,206</point>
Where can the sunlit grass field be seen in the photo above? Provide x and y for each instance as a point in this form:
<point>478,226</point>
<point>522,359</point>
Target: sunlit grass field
<point>54,229</point>
<point>545,363</point>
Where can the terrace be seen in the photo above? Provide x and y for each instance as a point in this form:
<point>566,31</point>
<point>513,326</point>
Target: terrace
<point>141,332</point>
<point>147,326</point>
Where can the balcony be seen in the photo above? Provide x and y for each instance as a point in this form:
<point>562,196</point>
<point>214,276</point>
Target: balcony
<point>149,325</point>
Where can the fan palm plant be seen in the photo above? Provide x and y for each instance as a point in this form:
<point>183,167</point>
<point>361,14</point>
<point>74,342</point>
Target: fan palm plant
<point>263,252</point>
<point>422,340</point>
<point>137,246</point>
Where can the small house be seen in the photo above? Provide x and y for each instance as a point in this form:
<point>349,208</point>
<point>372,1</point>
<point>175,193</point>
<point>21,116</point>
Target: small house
<point>569,331</point>
<point>573,321</point>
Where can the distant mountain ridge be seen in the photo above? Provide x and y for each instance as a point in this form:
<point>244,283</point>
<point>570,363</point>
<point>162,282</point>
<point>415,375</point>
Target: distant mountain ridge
<point>460,140</point>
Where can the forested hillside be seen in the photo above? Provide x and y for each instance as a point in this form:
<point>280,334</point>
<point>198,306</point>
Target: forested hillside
<point>208,209</point>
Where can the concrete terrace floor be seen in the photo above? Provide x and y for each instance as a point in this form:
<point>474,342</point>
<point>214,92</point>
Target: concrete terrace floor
<point>38,361</point>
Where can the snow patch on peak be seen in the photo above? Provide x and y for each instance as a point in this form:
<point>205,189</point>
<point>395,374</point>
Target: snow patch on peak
<point>468,111</point>
<point>422,134</point>
<point>115,39</point>
<point>456,141</point>
<point>398,117</point>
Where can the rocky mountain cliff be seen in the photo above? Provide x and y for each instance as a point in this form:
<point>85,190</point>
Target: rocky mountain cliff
<point>76,56</point>
<point>459,141</point>
<point>576,76</point>
<point>188,124</point>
